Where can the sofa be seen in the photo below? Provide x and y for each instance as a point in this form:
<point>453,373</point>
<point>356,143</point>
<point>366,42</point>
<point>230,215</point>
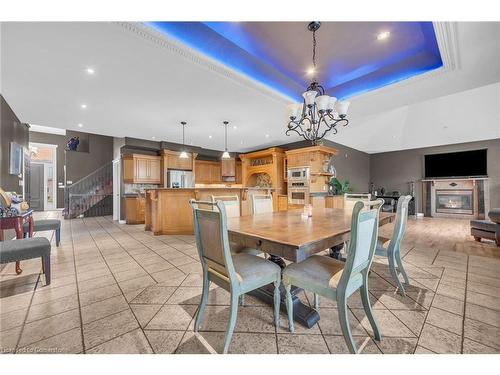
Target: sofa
<point>489,229</point>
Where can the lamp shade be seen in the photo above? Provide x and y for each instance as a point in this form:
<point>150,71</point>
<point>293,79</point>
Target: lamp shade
<point>225,155</point>
<point>331,103</point>
<point>309,97</point>
<point>342,107</point>
<point>294,110</point>
<point>183,155</point>
<point>322,102</point>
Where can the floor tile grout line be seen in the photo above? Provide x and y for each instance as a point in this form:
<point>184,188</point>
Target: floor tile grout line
<point>123,294</point>
<point>465,307</point>
<point>77,288</point>
<point>18,341</point>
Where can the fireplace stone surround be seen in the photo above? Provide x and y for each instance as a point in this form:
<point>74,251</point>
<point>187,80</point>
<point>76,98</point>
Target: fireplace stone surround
<point>466,198</point>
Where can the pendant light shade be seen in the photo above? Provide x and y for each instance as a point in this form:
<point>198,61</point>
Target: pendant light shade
<point>225,154</point>
<point>183,154</point>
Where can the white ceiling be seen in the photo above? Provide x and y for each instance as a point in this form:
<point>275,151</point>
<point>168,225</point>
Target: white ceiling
<point>145,85</point>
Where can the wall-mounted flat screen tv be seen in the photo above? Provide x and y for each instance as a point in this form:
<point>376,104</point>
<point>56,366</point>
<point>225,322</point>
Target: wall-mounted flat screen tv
<point>456,164</point>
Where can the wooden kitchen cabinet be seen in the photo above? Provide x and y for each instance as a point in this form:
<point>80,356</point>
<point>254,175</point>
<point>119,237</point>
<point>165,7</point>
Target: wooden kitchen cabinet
<point>282,202</point>
<point>334,201</point>
<point>238,172</point>
<point>141,169</point>
<point>208,172</point>
<point>134,210</point>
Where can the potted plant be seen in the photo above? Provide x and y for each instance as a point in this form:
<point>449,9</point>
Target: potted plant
<point>338,187</point>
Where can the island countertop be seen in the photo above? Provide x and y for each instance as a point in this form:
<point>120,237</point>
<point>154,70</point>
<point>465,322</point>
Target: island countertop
<point>168,211</point>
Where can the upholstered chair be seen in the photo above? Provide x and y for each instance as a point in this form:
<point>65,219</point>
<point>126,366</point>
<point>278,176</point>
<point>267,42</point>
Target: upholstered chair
<point>393,250</point>
<point>237,273</point>
<point>262,203</point>
<point>337,280</point>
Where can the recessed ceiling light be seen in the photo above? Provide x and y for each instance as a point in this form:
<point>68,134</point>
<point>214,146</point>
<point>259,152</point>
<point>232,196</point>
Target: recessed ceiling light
<point>153,137</point>
<point>235,127</point>
<point>311,71</point>
<point>383,35</point>
<point>80,125</point>
<point>267,135</point>
<point>210,136</point>
<point>83,106</point>
<point>90,71</point>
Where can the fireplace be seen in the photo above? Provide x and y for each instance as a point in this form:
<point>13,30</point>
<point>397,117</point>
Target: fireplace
<point>454,201</point>
<point>466,198</point>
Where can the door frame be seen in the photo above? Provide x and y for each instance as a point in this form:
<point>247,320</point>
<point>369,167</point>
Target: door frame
<point>116,189</point>
<point>54,173</point>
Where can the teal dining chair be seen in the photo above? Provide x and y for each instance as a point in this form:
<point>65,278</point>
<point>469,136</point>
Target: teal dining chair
<point>393,250</point>
<point>237,273</point>
<point>337,280</point>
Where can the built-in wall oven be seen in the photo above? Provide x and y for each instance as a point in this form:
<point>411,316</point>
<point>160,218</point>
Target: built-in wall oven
<point>298,185</point>
<point>298,174</point>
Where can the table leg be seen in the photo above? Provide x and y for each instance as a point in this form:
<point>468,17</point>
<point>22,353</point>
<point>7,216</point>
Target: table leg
<point>19,235</point>
<point>30,223</point>
<point>302,313</point>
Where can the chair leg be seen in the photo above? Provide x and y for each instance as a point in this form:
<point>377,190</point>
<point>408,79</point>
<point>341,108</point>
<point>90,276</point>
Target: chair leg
<point>344,325</point>
<point>242,300</point>
<point>58,237</point>
<point>316,301</point>
<point>401,268</point>
<point>277,303</point>
<point>394,273</point>
<point>46,268</point>
<point>365,299</point>
<point>289,308</point>
<point>203,302</point>
<point>232,321</point>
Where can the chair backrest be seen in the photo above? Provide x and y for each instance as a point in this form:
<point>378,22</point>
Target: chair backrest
<point>231,204</point>
<point>212,241</point>
<point>262,203</point>
<point>351,199</point>
<point>401,220</point>
<point>364,232</point>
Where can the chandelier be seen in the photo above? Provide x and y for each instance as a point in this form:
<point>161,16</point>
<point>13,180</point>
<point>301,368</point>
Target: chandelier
<point>318,113</point>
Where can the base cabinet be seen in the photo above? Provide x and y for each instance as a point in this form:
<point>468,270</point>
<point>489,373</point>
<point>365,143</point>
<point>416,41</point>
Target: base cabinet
<point>335,201</point>
<point>134,210</point>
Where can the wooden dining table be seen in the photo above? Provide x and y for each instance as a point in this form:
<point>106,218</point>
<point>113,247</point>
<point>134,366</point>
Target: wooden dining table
<point>291,236</point>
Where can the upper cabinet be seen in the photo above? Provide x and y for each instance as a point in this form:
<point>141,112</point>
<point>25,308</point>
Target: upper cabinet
<point>172,160</point>
<point>207,172</point>
<point>141,169</point>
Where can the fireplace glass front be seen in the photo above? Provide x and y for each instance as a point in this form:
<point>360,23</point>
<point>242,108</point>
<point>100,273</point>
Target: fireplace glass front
<point>454,202</point>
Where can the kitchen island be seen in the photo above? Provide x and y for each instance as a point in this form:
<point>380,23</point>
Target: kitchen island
<point>167,210</point>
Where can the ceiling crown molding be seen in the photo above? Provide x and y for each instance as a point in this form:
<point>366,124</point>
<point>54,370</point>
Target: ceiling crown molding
<point>173,46</point>
<point>447,40</point>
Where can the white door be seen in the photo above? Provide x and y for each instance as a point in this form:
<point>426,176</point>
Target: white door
<point>116,188</point>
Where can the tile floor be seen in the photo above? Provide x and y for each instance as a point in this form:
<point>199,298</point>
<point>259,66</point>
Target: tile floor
<point>118,289</point>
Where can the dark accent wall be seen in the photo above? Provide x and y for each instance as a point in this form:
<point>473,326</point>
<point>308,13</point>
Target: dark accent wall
<point>78,164</point>
<point>393,170</point>
<point>11,130</point>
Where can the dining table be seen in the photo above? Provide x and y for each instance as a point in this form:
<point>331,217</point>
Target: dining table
<point>293,236</point>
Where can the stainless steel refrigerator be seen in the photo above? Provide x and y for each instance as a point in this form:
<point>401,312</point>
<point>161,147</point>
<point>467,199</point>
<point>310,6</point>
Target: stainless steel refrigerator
<point>179,179</point>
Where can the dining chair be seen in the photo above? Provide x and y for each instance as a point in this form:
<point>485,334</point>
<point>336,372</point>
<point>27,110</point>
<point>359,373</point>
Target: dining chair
<point>237,273</point>
<point>231,204</point>
<point>337,280</point>
<point>392,251</point>
<point>262,203</point>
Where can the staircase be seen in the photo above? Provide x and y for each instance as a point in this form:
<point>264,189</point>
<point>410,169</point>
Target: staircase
<point>90,196</point>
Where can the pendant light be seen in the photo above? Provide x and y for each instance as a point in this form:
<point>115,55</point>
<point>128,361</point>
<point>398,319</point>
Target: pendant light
<point>183,154</point>
<point>225,154</point>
